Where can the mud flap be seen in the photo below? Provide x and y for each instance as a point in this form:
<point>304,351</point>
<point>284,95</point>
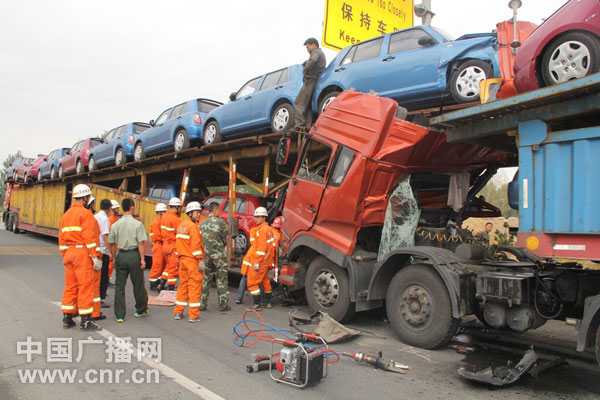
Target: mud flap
<point>488,88</point>
<point>502,376</point>
<point>329,329</point>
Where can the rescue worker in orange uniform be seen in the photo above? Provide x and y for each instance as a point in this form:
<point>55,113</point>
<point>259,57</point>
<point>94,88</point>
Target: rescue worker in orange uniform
<point>158,261</point>
<point>112,218</point>
<point>190,250</point>
<point>276,226</point>
<point>239,297</point>
<point>78,240</point>
<point>258,256</point>
<point>168,228</point>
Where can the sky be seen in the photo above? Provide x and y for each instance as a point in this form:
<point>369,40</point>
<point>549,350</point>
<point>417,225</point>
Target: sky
<point>71,69</point>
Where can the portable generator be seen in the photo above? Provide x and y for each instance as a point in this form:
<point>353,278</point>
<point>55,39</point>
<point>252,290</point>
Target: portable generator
<point>301,363</point>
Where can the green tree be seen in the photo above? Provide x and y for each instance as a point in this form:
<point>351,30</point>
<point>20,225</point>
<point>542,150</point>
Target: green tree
<point>9,160</point>
<point>497,194</point>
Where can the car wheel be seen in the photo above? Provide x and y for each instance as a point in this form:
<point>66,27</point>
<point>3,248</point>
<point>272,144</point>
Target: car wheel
<point>61,173</point>
<point>79,169</point>
<point>26,178</point>
<point>15,176</point>
<point>419,308</point>
<point>92,164</point>
<point>282,118</point>
<point>120,157</point>
<point>39,177</point>
<point>181,141</point>
<point>326,101</point>
<point>138,152</point>
<point>571,56</point>
<point>328,290</point>
<point>212,133</point>
<point>241,243</point>
<point>52,173</point>
<point>464,81</point>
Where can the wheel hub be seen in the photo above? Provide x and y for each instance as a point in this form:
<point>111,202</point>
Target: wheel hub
<point>326,288</point>
<point>210,134</point>
<point>570,60</point>
<point>179,142</point>
<point>415,307</point>
<point>138,153</point>
<point>281,119</point>
<point>467,83</point>
<point>119,157</point>
<point>327,102</point>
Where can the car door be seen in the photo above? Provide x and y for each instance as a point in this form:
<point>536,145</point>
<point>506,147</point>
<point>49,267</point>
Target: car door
<point>69,161</point>
<point>45,167</point>
<point>237,113</point>
<point>102,151</point>
<point>165,136</point>
<point>152,136</point>
<point>269,91</point>
<point>409,67</point>
<point>306,188</point>
<point>116,139</point>
<point>361,66</point>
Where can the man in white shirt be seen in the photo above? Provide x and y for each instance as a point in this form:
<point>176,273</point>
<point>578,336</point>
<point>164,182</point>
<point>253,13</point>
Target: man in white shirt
<point>104,223</point>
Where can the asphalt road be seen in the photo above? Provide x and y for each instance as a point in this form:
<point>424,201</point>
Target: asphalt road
<point>201,361</point>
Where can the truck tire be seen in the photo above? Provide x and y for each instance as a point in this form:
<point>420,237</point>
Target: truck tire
<point>419,307</point>
<point>328,290</point>
<point>597,347</point>
<point>15,224</point>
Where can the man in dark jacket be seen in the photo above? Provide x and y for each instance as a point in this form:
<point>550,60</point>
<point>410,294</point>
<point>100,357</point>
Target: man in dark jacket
<point>312,68</point>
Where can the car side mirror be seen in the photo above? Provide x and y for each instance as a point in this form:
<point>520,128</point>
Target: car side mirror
<point>232,96</point>
<point>151,122</point>
<point>426,41</point>
<point>68,152</point>
<point>283,151</point>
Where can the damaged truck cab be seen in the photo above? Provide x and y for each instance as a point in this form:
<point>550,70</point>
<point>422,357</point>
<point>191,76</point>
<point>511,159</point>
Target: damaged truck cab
<point>337,242</point>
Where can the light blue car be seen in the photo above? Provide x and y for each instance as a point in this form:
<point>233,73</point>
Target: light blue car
<point>419,67</point>
<point>49,168</point>
<point>262,102</point>
<point>117,146</point>
<point>175,128</point>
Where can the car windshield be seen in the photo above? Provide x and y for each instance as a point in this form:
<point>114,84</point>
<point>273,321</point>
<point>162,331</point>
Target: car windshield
<point>94,142</point>
<point>139,128</point>
<point>446,35</point>
<point>206,107</point>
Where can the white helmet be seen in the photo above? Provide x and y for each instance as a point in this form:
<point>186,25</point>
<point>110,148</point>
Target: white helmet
<point>160,207</point>
<point>81,190</point>
<point>261,212</point>
<point>193,206</point>
<point>115,204</point>
<point>175,202</point>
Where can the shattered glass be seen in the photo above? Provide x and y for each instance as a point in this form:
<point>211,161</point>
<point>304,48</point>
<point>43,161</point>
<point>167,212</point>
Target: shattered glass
<point>401,219</point>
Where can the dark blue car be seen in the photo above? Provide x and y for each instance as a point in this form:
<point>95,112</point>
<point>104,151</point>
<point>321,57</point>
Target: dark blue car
<point>175,128</point>
<point>418,67</point>
<point>117,145</point>
<point>263,102</point>
<point>49,168</point>
<point>10,173</point>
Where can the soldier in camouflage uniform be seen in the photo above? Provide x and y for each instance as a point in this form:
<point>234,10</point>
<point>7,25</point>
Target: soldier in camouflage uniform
<point>214,235</point>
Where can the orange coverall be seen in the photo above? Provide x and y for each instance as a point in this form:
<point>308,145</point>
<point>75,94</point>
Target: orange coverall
<point>168,228</point>
<point>190,250</point>
<point>158,261</point>
<point>246,262</point>
<point>259,254</point>
<point>77,241</point>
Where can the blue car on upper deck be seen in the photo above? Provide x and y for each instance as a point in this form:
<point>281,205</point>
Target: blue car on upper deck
<point>175,128</point>
<point>117,145</point>
<point>418,67</point>
<point>49,168</point>
<point>267,100</point>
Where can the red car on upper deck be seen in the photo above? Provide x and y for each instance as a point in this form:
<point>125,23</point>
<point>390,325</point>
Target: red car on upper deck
<point>30,172</point>
<point>564,47</point>
<point>20,170</point>
<point>76,160</point>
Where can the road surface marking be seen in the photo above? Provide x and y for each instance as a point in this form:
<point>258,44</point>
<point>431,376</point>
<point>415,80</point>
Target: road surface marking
<point>29,251</point>
<point>169,372</point>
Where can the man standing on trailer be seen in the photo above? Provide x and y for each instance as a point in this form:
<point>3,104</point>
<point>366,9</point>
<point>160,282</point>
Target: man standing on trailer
<point>158,260</point>
<point>214,235</point>
<point>127,238</point>
<point>77,243</point>
<point>170,222</point>
<point>312,68</point>
<point>190,250</point>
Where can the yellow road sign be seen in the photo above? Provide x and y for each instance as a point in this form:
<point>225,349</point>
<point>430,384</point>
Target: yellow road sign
<point>351,21</point>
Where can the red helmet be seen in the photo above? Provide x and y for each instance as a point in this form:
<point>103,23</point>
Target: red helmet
<point>276,223</point>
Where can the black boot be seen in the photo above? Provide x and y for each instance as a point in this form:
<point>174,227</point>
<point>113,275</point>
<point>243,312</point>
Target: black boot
<point>171,288</point>
<point>153,285</point>
<point>256,306</point>
<point>87,324</point>
<point>161,284</point>
<point>266,303</point>
<point>68,321</point>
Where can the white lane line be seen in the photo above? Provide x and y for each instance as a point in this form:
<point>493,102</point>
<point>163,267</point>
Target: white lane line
<point>169,372</point>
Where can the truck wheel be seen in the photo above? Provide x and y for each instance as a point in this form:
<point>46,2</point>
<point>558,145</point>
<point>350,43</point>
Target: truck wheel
<point>282,118</point>
<point>464,81</point>
<point>419,307</point>
<point>598,345</point>
<point>328,290</point>
<point>15,224</point>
